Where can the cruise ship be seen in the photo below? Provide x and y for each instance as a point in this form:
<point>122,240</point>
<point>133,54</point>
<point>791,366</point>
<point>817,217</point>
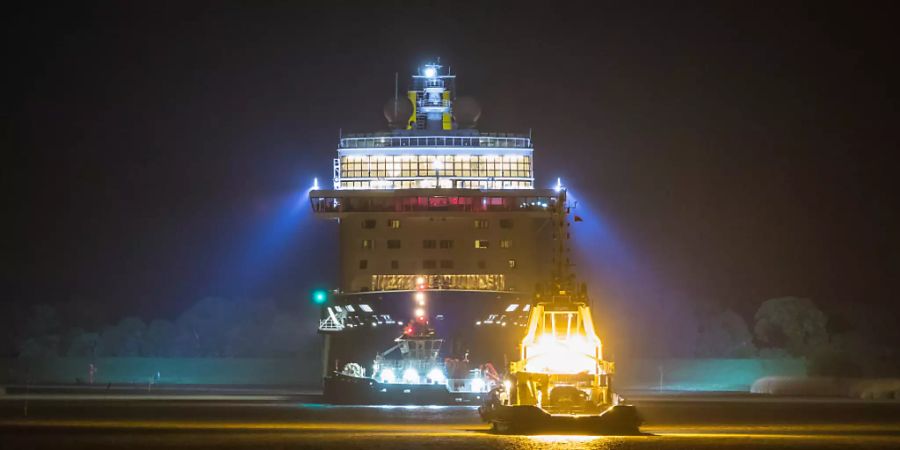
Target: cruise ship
<point>443,241</point>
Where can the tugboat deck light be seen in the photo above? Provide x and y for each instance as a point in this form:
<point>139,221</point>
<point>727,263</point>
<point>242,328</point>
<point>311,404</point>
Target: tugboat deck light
<point>387,376</point>
<point>410,375</point>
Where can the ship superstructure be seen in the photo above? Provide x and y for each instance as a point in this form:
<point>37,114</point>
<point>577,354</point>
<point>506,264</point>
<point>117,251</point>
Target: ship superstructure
<point>439,222</point>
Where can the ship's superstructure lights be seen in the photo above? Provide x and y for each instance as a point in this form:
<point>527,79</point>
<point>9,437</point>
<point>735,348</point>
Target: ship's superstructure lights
<point>438,164</point>
<point>387,376</point>
<point>558,186</point>
<point>420,298</point>
<point>420,281</point>
<point>477,385</point>
<point>315,183</point>
<point>561,342</point>
<point>420,312</point>
<point>436,376</point>
<point>410,375</point>
<point>430,72</point>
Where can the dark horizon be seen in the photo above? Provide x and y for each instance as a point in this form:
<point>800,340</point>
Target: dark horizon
<point>738,152</point>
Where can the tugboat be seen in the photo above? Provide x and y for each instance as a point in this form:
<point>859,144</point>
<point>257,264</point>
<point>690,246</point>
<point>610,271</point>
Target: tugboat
<point>561,382</point>
<point>418,376</point>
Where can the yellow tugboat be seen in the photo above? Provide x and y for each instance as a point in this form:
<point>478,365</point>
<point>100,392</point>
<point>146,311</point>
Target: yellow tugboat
<point>561,383</point>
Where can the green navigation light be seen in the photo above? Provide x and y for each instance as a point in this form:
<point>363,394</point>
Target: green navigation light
<point>320,296</point>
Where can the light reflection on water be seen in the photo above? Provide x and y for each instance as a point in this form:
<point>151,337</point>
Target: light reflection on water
<point>557,438</point>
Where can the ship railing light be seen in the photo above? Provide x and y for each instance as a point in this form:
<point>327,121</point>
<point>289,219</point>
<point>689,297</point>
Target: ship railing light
<point>436,376</point>
<point>387,376</point>
<point>410,375</point>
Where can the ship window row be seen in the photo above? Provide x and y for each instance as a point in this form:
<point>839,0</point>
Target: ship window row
<point>436,141</point>
<point>393,282</point>
<point>431,183</point>
<point>429,244</point>
<point>438,263</point>
<point>479,224</point>
<point>431,203</point>
<point>382,166</point>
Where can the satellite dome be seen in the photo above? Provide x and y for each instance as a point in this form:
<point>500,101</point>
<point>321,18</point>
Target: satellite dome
<point>466,111</point>
<point>397,112</point>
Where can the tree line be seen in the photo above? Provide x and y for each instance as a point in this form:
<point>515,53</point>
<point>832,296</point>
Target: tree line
<point>211,327</point>
<point>793,327</point>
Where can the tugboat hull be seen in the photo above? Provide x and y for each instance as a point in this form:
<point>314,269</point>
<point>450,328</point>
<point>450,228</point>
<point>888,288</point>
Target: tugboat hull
<point>618,420</point>
<point>349,390</point>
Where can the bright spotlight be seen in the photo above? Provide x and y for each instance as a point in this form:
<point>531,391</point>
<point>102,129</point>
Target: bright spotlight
<point>387,376</point>
<point>410,376</point>
<point>558,186</point>
<point>420,312</point>
<point>430,72</point>
<point>316,183</point>
<point>477,385</point>
<point>420,280</point>
<point>437,376</point>
<point>420,298</point>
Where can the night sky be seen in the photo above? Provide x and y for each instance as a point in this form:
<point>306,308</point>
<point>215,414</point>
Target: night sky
<point>154,150</point>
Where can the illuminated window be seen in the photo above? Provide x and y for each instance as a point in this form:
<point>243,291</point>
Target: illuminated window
<point>446,264</point>
<point>368,244</point>
<point>446,243</point>
<point>481,243</point>
<point>394,223</point>
<point>506,223</point>
<point>368,223</point>
<point>512,307</point>
<point>363,263</point>
<point>395,264</point>
<point>505,243</point>
<point>481,223</point>
<point>512,263</point>
<point>365,308</point>
<point>429,243</point>
<point>429,264</point>
<point>393,243</point>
